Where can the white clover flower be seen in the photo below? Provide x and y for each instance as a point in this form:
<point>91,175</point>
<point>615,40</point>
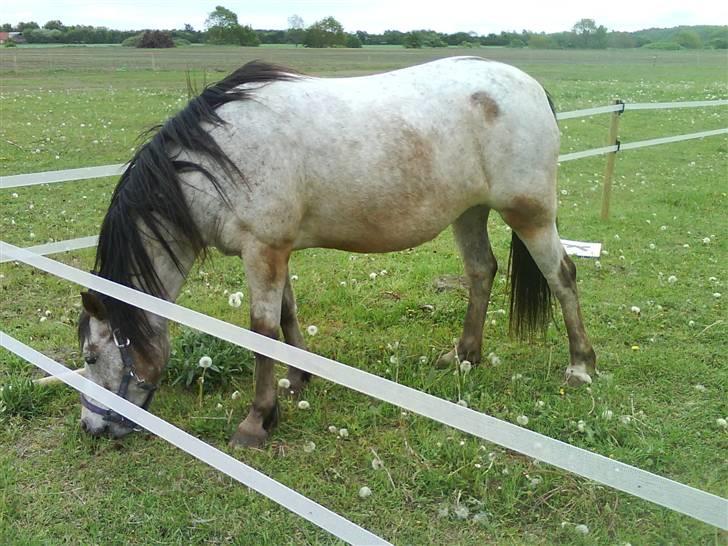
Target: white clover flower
<point>333,429</point>
<point>597,264</point>
<point>607,414</point>
<point>540,403</point>
<point>372,275</point>
<point>672,279</point>
<point>516,377</point>
<point>699,387</point>
<point>205,362</point>
<point>235,395</point>
<point>663,228</point>
<point>716,294</point>
<point>462,403</point>
<point>365,492</point>
<point>461,512</point>
<point>713,279</point>
<point>617,237</point>
<point>43,319</point>
<point>342,283</point>
<point>218,406</point>
<point>343,433</point>
<point>706,240</point>
<point>309,447</point>
<point>625,419</point>
<point>652,246</point>
<point>581,426</point>
<point>522,420</point>
<point>312,330</point>
<point>235,299</point>
<point>635,309</point>
<point>294,277</point>
<point>284,383</point>
<point>303,405</point>
<point>581,529</point>
<point>14,195</point>
<point>691,323</point>
<point>465,366</point>
<point>423,359</point>
<point>722,423</point>
<point>383,272</point>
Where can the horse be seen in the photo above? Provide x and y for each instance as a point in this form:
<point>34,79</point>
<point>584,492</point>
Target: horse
<point>268,161</point>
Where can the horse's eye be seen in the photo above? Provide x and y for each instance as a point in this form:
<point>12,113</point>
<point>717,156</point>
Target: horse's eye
<point>91,359</point>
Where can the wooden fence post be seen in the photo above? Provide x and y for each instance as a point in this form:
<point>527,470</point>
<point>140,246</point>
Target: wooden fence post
<point>613,140</point>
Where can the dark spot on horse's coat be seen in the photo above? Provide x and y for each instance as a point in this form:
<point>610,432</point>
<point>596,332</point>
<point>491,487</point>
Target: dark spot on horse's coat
<point>486,102</point>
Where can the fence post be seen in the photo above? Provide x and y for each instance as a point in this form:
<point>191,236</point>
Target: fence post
<point>613,140</point>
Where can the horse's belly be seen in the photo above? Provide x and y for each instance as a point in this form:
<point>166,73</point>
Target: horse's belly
<point>373,229</point>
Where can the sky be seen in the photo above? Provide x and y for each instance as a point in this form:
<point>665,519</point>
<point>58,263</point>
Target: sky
<point>375,16</point>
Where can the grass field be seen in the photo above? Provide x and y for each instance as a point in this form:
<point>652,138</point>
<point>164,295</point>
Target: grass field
<point>664,376</point>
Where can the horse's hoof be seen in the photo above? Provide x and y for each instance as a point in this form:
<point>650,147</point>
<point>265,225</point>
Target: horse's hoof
<point>577,376</point>
<point>248,439</point>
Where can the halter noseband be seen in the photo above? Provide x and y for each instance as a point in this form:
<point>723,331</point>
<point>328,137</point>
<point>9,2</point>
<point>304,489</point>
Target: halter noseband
<point>129,374</point>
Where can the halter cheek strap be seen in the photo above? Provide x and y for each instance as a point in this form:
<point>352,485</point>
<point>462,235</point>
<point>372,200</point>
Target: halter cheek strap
<point>127,361</point>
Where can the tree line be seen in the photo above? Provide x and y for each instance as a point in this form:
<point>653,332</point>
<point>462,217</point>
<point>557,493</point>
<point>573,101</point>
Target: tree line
<point>223,27</point>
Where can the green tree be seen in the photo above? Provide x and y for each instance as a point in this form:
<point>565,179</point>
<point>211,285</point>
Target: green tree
<point>327,32</point>
<point>296,31</point>
<point>54,25</point>
<point>689,39</point>
<point>222,26</point>
<point>588,35</point>
<point>353,41</point>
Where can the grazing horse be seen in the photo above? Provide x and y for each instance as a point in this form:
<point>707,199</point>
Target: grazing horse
<point>268,161</point>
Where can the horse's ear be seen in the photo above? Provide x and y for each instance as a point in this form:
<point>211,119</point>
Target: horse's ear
<point>93,305</point>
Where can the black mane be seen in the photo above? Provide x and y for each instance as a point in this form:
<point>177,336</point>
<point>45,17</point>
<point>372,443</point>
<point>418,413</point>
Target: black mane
<point>149,193</point>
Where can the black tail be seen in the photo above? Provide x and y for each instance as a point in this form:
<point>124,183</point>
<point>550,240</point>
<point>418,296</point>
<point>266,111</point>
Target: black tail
<point>530,293</point>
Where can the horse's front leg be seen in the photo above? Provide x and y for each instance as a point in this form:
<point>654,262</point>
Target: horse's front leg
<point>266,270</point>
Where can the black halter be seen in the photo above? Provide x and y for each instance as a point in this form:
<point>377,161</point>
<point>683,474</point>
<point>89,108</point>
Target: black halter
<point>129,374</point>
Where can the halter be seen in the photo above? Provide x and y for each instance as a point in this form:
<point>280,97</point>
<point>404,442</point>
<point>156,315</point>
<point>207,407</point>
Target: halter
<point>129,374</point>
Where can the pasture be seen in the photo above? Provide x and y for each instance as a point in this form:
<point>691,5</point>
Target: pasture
<point>664,381</point>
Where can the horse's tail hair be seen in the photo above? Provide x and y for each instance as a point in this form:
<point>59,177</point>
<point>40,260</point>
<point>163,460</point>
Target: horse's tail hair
<point>530,293</point>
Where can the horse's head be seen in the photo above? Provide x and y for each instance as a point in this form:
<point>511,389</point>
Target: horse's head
<point>118,364</point>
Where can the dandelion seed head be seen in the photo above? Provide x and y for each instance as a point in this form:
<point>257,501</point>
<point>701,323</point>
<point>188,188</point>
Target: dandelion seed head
<point>312,330</point>
<point>309,447</point>
<point>235,395</point>
<point>284,383</point>
<point>652,246</point>
<point>700,388</point>
<point>462,403</point>
<point>205,362</point>
<point>706,240</point>
<point>635,309</point>
<point>294,277</point>
<point>461,512</point>
<point>581,426</point>
<point>235,299</point>
<point>333,429</point>
<point>372,275</point>
<point>303,405</point>
<point>365,492</point>
<point>721,422</point>
<point>465,366</point>
<point>581,529</point>
<point>343,433</point>
<point>607,414</point>
<point>672,279</point>
<point>377,464</point>
<point>522,420</point>
<point>443,512</point>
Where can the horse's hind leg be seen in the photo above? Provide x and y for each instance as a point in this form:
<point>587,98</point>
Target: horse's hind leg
<point>292,334</point>
<point>471,234</point>
<point>266,270</point>
<point>542,242</point>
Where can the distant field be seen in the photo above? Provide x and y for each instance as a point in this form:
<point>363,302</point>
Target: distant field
<point>665,379</point>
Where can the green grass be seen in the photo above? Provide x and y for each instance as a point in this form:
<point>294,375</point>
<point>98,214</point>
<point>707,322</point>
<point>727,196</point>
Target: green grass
<point>58,485</point>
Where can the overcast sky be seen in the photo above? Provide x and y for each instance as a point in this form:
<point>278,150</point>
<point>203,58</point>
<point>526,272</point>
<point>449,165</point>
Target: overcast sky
<point>481,16</point>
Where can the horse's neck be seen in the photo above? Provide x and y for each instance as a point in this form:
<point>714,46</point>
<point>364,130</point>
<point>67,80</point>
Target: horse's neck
<point>170,274</point>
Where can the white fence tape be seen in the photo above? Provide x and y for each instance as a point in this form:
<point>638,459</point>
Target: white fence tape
<point>49,177</point>
<point>682,498</point>
<point>59,246</point>
<point>285,496</point>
